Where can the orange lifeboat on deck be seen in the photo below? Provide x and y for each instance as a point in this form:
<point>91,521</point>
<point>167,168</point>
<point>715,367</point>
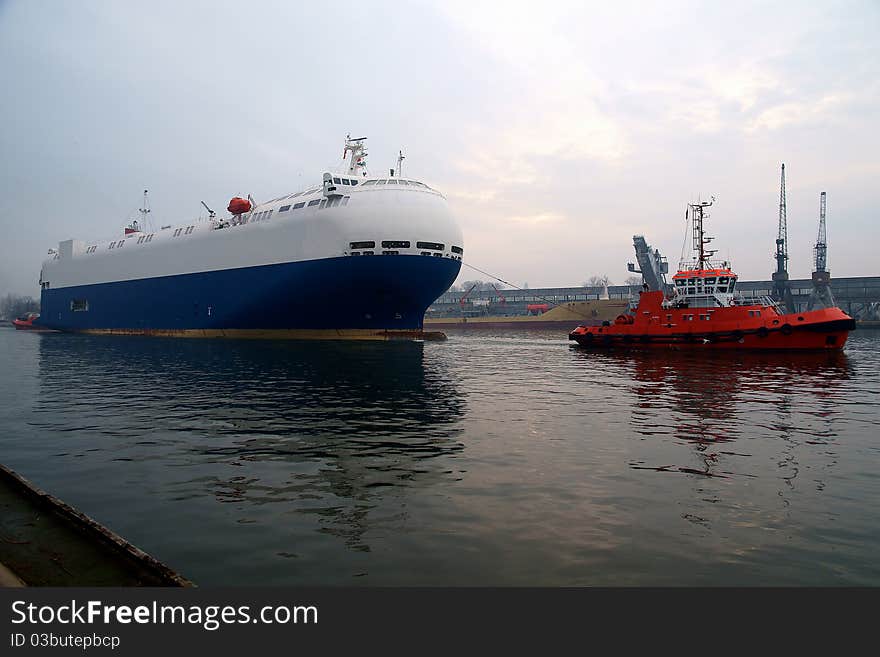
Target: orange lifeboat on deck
<point>239,205</point>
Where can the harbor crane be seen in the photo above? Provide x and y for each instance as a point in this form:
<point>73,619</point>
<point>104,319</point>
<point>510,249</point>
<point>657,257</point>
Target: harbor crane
<point>821,296</point>
<point>781,286</point>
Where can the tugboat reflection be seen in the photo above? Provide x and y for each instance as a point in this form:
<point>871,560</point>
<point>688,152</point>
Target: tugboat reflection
<point>711,400</point>
<point>337,431</point>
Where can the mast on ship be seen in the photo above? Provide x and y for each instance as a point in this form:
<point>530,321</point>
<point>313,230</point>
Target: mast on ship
<point>698,214</point>
<point>144,210</point>
<point>357,164</point>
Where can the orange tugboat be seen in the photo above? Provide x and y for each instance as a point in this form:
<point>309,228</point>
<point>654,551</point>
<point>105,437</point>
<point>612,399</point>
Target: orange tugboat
<point>704,311</point>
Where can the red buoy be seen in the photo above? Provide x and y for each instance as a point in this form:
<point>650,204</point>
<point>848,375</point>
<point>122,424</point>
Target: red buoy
<point>239,205</point>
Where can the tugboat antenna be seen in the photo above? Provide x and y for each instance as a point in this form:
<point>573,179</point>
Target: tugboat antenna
<point>698,213</point>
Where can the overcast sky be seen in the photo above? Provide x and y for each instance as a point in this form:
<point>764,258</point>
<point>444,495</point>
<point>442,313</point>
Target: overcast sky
<point>556,130</point>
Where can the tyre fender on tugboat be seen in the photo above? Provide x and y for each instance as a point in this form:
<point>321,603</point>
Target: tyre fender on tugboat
<point>786,329</point>
<point>763,332</point>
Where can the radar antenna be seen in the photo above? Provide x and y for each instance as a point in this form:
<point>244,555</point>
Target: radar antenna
<point>400,158</point>
<point>357,164</point>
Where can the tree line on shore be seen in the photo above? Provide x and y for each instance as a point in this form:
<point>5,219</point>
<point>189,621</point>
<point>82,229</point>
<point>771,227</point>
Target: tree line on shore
<point>16,305</point>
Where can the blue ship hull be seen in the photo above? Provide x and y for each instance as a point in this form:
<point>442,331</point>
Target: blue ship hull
<point>366,292</point>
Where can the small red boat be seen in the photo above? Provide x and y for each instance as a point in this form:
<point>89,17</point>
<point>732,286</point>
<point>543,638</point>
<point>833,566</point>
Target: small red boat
<point>705,311</point>
<point>26,322</point>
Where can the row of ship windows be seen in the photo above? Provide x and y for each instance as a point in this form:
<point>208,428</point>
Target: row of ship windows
<point>404,244</point>
<point>394,181</point>
<point>143,239</point>
<point>311,191</point>
<point>708,281</point>
<point>320,202</point>
<point>391,246</point>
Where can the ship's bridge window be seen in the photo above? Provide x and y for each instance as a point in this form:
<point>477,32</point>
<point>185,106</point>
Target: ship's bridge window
<point>354,183</point>
<point>392,182</point>
<point>315,202</point>
<point>370,182</point>
<point>336,180</point>
<point>362,245</point>
<point>284,208</point>
<point>680,282</point>
<point>710,281</point>
<point>722,280</point>
<point>346,181</point>
<point>436,246</point>
<point>457,249</point>
<point>381,182</point>
<point>692,281</point>
<point>732,284</point>
<point>396,244</point>
<point>299,205</point>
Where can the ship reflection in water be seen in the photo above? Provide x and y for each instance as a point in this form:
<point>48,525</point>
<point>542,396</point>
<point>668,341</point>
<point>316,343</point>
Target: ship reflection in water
<point>308,439</point>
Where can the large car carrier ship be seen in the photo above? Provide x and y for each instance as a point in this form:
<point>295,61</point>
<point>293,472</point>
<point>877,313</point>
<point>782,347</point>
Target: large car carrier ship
<point>355,256</point>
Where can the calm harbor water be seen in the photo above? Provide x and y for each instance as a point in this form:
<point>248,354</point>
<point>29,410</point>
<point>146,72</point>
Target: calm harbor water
<point>489,459</point>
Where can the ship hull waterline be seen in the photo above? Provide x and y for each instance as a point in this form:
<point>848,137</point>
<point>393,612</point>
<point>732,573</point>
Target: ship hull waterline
<point>823,336</point>
<point>364,298</point>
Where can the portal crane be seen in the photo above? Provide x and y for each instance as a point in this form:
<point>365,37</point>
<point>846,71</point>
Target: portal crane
<point>781,286</point>
<point>821,296</point>
<point>465,296</point>
<point>502,300</point>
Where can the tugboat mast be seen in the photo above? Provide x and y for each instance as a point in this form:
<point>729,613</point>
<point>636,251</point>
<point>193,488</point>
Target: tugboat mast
<point>698,213</point>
